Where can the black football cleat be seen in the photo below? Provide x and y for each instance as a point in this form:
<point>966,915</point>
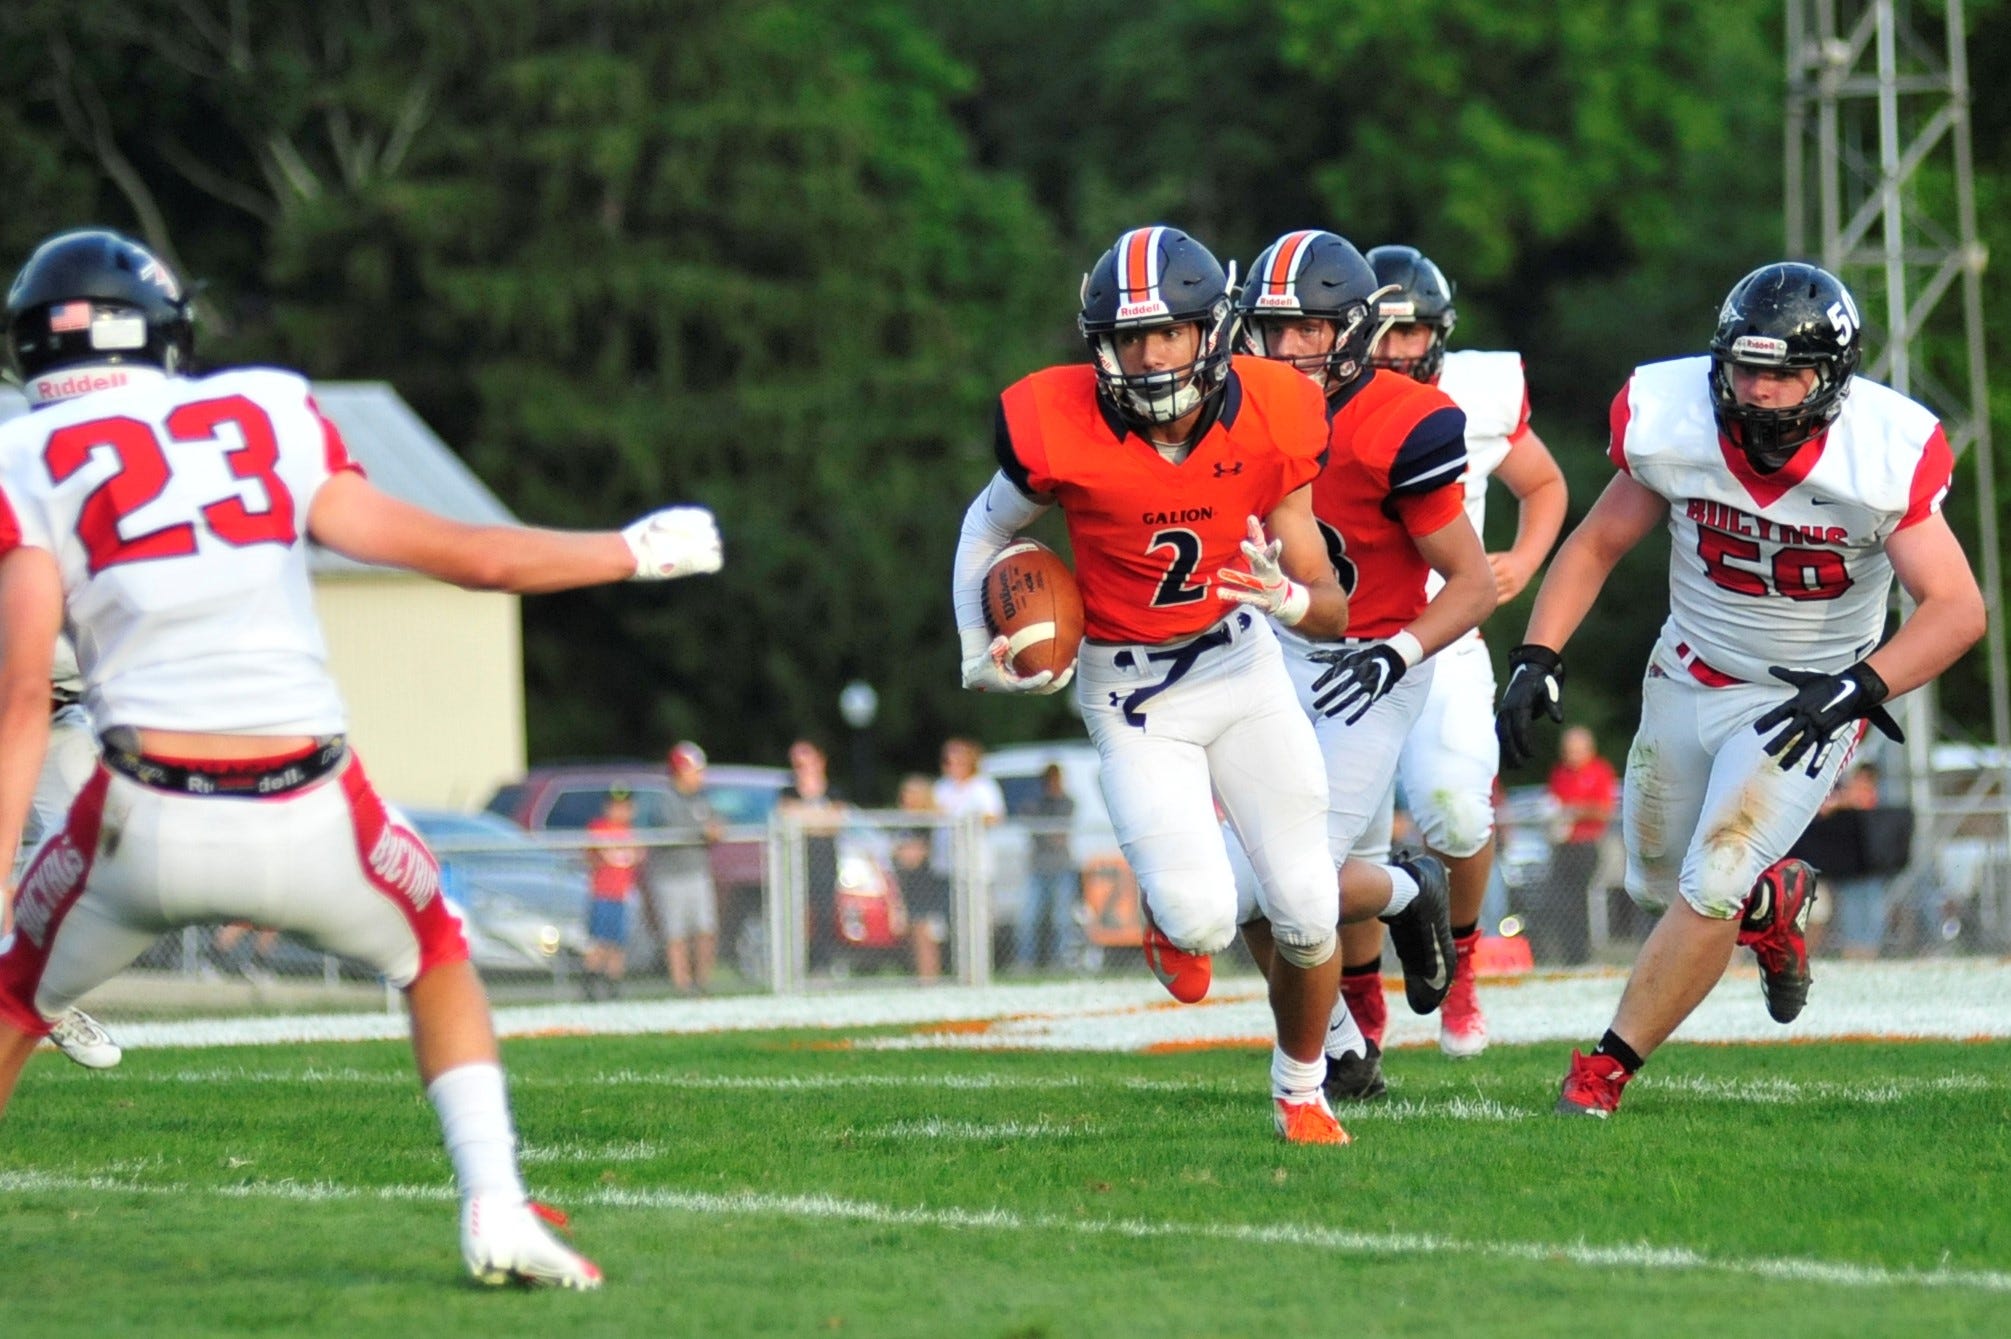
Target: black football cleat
<point>1422,933</point>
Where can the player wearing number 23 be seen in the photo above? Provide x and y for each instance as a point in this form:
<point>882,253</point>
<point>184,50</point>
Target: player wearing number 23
<point>165,519</point>
<point>1184,476</point>
<point>1793,492</point>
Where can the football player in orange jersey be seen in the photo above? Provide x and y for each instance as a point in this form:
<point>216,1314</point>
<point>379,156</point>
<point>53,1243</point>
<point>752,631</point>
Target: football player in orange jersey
<point>1184,476</point>
<point>1390,506</point>
<point>1449,760</point>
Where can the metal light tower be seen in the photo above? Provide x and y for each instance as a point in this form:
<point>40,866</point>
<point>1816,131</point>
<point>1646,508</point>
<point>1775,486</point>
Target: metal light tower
<point>1878,151</point>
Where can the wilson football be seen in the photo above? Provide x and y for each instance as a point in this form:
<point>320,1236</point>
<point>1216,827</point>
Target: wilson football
<point>1031,599</point>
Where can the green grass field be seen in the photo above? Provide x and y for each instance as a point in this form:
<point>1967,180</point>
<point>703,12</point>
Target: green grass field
<point>773,1184</point>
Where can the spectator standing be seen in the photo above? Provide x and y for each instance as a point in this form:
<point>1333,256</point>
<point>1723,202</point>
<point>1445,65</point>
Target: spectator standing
<point>1856,845</point>
<point>964,789</point>
<point>1587,791</point>
<point>924,892</point>
<point>1054,885</point>
<point>612,865</point>
<point>812,801</point>
<point>679,882</point>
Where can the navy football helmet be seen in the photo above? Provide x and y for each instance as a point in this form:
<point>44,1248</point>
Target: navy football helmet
<point>1785,315</point>
<point>1315,274</point>
<point>1422,296</point>
<point>1158,276</point>
<point>94,296</point>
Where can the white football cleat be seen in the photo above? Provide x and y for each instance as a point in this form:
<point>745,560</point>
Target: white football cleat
<point>84,1040</point>
<point>503,1241</point>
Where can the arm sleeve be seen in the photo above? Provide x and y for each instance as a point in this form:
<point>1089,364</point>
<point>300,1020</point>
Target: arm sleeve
<point>993,518</point>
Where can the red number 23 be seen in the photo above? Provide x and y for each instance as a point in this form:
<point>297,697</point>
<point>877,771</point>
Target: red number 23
<point>144,472</point>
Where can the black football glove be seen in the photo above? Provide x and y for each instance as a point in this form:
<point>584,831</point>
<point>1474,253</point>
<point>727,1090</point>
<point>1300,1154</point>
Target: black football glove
<point>1535,684</point>
<point>1363,675</point>
<point>1822,705</point>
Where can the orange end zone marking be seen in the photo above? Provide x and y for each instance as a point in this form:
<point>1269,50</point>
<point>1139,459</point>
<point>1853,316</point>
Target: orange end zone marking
<point>1206,1044</point>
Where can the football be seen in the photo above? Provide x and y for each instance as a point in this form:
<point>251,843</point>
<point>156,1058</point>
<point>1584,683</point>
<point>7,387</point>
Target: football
<point>1031,599</point>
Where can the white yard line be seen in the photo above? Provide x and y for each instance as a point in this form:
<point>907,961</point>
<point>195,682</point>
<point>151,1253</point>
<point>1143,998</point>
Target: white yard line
<point>1630,1256</point>
<point>1949,999</point>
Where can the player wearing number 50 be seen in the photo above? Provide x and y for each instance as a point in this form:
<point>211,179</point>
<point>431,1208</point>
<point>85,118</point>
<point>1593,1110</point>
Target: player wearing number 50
<point>1793,492</point>
<point>166,518</point>
<point>1184,476</point>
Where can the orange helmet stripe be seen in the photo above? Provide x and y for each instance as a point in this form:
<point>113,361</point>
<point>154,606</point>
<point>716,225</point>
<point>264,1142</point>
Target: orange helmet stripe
<point>1287,256</point>
<point>1138,262</point>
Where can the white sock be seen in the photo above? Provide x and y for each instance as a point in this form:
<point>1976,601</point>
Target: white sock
<point>1403,890</point>
<point>474,1112</point>
<point>1344,1034</point>
<point>1296,1080</point>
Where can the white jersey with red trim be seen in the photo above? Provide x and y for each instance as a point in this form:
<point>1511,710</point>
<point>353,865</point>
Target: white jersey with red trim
<point>1489,389</point>
<point>1787,568</point>
<point>177,513</point>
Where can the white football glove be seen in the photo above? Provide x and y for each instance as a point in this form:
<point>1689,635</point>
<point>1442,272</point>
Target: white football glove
<point>988,667</point>
<point>1265,586</point>
<point>674,542</point>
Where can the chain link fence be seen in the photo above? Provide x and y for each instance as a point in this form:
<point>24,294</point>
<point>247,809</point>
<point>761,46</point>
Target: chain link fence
<point>899,896</point>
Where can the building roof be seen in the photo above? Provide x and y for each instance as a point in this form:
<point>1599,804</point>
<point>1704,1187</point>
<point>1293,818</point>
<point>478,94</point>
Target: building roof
<point>397,450</point>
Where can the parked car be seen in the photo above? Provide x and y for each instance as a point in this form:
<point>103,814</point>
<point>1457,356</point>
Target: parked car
<point>1110,908</point>
<point>869,917</point>
<point>523,905</point>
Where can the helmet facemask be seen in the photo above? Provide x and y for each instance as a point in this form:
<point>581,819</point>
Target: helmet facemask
<point>1338,367</point>
<point>1425,367</point>
<point>1166,395</point>
<point>1781,317</point>
<point>1770,437</point>
<point>1417,293</point>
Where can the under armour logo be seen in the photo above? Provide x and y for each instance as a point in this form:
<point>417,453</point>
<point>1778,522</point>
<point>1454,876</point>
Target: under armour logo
<point>1224,471</point>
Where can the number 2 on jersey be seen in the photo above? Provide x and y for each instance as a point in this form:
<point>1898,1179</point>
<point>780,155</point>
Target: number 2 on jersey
<point>144,471</point>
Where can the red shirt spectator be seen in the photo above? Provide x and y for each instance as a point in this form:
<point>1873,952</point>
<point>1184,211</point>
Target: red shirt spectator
<point>614,868</point>
<point>1584,786</point>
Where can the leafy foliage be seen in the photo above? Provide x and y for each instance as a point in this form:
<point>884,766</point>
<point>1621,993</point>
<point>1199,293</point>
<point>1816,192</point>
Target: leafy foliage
<point>777,257</point>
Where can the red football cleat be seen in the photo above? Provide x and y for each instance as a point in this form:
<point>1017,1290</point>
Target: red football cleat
<point>1775,927</point>
<point>1462,1031</point>
<point>1592,1087</point>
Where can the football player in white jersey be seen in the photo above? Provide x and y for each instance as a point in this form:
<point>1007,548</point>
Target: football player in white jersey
<point>72,753</point>
<point>1449,759</point>
<point>165,520</point>
<point>1793,493</point>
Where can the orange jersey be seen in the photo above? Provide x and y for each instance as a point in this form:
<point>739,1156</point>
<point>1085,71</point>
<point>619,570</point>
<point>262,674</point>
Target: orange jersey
<point>1149,535</point>
<point>1395,457</point>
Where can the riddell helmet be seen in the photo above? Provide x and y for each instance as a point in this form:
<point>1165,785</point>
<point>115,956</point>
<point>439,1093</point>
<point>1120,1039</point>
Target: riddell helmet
<point>1784,315</point>
<point>1314,274</point>
<point>1158,276</point>
<point>1422,296</point>
<point>95,297</point>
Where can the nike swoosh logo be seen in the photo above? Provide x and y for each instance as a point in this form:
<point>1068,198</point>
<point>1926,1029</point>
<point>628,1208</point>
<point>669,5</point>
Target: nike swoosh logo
<point>1440,977</point>
<point>1822,502</point>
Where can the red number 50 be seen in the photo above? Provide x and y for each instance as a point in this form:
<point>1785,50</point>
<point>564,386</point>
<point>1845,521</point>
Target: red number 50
<point>1798,573</point>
